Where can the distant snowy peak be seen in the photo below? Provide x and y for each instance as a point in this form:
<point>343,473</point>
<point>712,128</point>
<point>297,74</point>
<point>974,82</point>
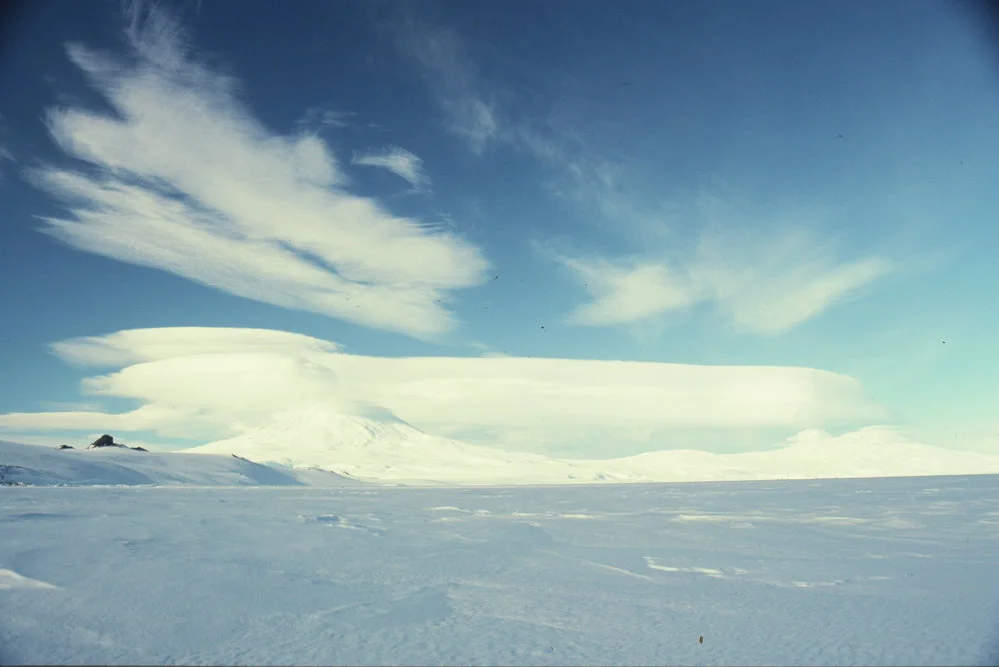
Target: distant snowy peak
<point>367,448</point>
<point>316,430</point>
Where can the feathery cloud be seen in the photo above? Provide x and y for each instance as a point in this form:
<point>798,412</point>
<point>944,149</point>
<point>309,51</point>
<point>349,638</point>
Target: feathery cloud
<point>760,283</point>
<point>399,161</point>
<point>215,197</point>
<point>624,292</point>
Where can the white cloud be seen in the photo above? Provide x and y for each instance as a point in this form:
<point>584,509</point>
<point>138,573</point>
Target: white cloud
<point>399,161</point>
<point>223,381</point>
<point>773,282</point>
<point>144,418</point>
<point>626,292</point>
<point>140,345</point>
<point>453,79</point>
<point>213,196</point>
<point>763,283</point>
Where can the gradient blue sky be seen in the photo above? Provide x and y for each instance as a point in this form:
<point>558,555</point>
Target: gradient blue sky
<point>750,183</point>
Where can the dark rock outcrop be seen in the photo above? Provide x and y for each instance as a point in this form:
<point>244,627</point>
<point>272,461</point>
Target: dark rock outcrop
<point>105,441</point>
<point>65,447</point>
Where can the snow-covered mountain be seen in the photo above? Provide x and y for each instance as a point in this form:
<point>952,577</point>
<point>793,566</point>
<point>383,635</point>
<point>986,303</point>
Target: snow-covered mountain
<point>388,449</point>
<point>318,447</point>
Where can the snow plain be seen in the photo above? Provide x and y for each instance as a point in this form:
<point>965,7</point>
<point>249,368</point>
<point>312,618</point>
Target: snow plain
<point>172,570</point>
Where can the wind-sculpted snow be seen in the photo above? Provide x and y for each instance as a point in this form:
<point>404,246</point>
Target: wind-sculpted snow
<point>875,572</point>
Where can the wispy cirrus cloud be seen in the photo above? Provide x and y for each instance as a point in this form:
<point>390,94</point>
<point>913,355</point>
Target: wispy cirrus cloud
<point>759,284</point>
<point>5,153</point>
<point>438,53</point>
<point>765,272</point>
<point>215,197</point>
<point>472,111</point>
<point>761,275</point>
<point>769,285</point>
<point>582,178</point>
<point>399,161</point>
<point>211,382</point>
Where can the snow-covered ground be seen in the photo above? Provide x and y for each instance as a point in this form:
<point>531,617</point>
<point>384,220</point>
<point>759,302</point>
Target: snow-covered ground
<point>849,571</point>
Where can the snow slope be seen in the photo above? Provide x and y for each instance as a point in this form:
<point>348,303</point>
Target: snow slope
<point>872,572</point>
<point>391,450</point>
<point>35,465</point>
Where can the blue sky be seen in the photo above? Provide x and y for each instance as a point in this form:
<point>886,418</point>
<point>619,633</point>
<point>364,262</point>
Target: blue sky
<point>760,184</point>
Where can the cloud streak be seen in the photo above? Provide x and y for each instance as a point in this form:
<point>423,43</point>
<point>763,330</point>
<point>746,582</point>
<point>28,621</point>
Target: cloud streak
<point>223,381</point>
<point>399,161</point>
<point>216,198</point>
